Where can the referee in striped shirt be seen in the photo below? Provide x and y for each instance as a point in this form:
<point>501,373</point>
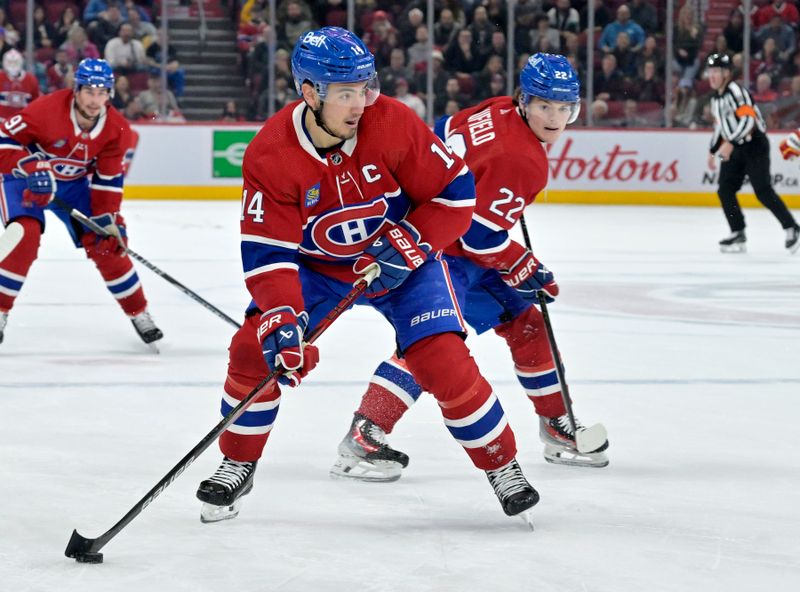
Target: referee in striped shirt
<point>740,142</point>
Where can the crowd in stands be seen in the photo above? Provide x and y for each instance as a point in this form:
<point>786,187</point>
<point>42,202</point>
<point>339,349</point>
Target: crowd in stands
<point>120,31</point>
<point>470,53</point>
<point>469,58</point>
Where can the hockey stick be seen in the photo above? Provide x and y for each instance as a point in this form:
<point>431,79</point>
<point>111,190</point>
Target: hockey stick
<point>100,231</point>
<point>87,550</point>
<point>588,439</point>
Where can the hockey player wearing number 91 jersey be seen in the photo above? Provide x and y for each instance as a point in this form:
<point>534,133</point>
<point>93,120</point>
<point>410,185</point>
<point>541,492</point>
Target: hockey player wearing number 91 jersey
<point>496,279</point>
<point>336,184</point>
<point>70,144</point>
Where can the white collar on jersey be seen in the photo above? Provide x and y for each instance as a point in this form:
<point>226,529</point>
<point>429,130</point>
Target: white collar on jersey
<point>98,126</point>
<point>348,147</point>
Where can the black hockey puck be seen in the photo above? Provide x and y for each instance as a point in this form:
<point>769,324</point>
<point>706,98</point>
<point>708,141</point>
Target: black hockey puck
<point>89,557</point>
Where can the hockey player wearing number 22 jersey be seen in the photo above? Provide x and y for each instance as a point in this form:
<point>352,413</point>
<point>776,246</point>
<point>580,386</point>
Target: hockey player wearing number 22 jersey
<point>335,184</point>
<point>496,278</point>
<point>71,145</point>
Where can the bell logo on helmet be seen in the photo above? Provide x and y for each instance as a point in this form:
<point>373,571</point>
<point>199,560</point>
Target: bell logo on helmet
<point>317,40</point>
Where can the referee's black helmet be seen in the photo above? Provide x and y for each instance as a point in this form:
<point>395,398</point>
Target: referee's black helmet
<point>719,60</point>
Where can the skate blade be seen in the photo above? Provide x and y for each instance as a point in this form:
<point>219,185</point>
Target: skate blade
<point>210,513</point>
<point>737,248</point>
<point>153,348</point>
<point>591,438</point>
<point>527,518</point>
<point>566,456</point>
<point>792,250</point>
<point>358,469</point>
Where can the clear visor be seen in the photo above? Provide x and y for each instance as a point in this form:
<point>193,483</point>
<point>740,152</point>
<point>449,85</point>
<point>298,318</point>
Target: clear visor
<point>353,94</point>
<point>557,109</point>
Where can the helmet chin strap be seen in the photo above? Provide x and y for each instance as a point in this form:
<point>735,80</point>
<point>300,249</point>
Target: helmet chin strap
<point>321,124</point>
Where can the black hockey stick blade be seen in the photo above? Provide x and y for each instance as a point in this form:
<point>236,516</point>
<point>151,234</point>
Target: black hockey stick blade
<point>82,549</point>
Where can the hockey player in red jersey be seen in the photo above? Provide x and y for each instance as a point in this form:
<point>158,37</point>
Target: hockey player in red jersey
<point>332,189</point>
<point>496,278</point>
<point>790,149</point>
<point>69,144</point>
<point>17,87</point>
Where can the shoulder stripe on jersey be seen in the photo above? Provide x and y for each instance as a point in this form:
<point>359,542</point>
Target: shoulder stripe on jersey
<point>270,267</point>
<point>460,203</point>
<point>253,238</point>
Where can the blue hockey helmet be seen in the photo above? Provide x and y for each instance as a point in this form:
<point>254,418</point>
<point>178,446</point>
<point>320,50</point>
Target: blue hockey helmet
<point>96,73</point>
<point>552,78</point>
<point>333,55</point>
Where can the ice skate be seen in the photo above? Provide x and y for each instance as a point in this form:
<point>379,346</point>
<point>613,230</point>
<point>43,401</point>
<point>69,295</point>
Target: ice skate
<point>792,243</point>
<point>3,321</point>
<point>364,455</point>
<point>222,492</point>
<point>516,495</point>
<point>736,242</point>
<point>560,446</point>
<point>146,329</point>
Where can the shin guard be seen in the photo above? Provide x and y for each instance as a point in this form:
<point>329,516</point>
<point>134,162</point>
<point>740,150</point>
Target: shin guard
<point>244,440</point>
<point>19,245</point>
<point>391,391</point>
<point>120,277</point>
<point>472,413</point>
<point>526,337</point>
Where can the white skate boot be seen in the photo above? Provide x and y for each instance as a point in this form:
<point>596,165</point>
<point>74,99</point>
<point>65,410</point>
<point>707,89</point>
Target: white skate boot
<point>364,454</point>
<point>561,448</point>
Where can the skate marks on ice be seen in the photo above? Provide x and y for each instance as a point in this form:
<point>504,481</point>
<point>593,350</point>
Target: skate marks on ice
<point>767,304</point>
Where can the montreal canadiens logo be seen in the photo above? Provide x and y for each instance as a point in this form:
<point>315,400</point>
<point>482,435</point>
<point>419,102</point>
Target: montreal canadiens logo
<point>347,232</point>
<point>67,168</point>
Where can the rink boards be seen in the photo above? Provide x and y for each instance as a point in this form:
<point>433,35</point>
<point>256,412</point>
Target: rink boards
<point>648,167</point>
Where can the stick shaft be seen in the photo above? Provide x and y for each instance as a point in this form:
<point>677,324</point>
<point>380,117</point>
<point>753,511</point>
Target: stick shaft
<point>79,545</point>
<point>551,337</point>
<point>99,230</point>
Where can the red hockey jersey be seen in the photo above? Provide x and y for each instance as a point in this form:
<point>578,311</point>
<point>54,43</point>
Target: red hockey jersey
<point>510,167</point>
<point>16,93</point>
<point>323,211</point>
<point>49,126</point>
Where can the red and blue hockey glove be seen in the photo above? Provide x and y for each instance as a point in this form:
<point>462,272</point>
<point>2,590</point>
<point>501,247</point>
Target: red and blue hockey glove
<point>281,335</point>
<point>38,174</point>
<point>790,146</point>
<point>528,276</point>
<point>396,254</point>
<point>116,240</point>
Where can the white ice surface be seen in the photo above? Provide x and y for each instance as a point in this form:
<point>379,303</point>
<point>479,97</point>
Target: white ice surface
<point>689,357</point>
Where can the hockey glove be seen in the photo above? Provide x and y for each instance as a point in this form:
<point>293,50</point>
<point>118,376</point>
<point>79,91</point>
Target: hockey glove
<point>38,174</point>
<point>281,335</point>
<point>396,254</point>
<point>790,146</point>
<point>116,240</point>
<point>528,276</point>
